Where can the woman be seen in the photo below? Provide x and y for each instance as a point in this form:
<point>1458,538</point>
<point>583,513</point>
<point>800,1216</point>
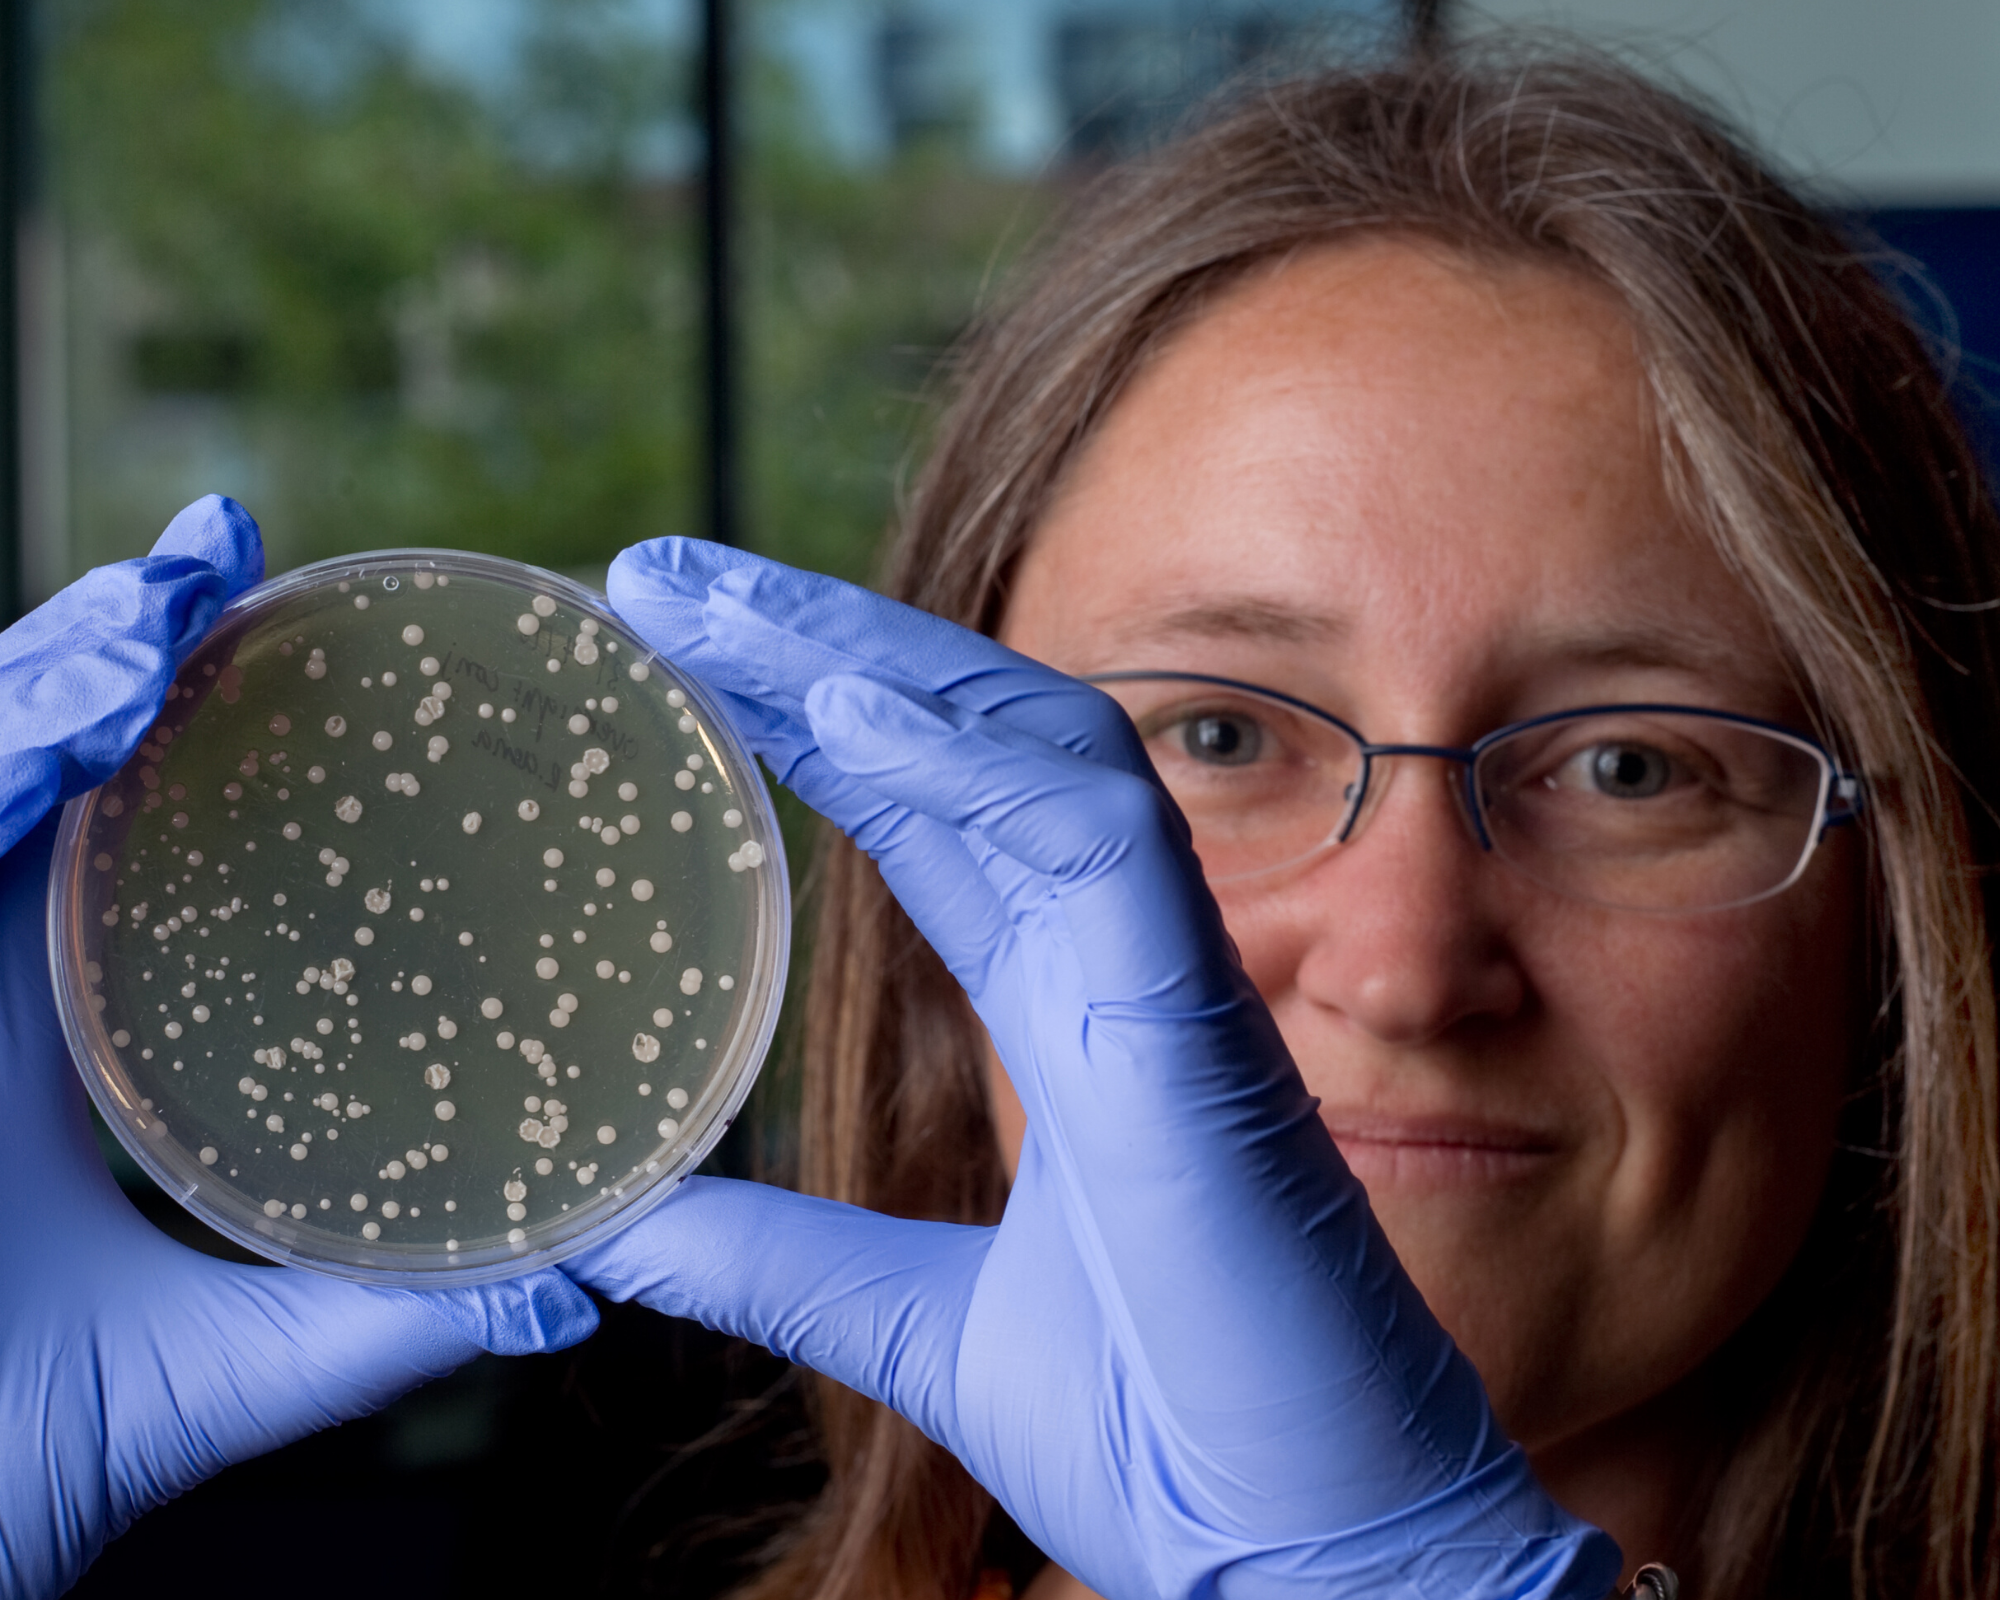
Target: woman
<point>1804,1406</point>
<point>1511,415</point>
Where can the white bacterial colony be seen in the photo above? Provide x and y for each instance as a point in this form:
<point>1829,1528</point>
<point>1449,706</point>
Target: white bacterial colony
<point>421,899</point>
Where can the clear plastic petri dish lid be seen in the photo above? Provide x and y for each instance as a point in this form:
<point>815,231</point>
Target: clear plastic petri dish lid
<point>436,930</point>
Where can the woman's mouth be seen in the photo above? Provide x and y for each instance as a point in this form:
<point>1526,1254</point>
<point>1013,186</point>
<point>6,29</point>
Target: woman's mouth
<point>1427,1152</point>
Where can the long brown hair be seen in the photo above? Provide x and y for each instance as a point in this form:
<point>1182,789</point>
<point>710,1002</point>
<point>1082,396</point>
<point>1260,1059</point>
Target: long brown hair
<point>1806,431</point>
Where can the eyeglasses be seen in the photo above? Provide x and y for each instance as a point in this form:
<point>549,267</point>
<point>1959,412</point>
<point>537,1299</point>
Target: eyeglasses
<point>1638,807</point>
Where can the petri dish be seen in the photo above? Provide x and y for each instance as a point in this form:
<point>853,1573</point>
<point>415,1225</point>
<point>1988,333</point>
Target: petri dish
<point>437,929</point>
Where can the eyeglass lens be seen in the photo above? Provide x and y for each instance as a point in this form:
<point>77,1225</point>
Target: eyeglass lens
<point>1656,811</point>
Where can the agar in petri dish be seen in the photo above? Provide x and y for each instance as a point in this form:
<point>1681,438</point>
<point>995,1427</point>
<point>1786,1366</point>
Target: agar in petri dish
<point>436,930</point>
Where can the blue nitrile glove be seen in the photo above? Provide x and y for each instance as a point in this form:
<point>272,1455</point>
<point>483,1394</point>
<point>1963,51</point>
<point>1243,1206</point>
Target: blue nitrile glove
<point>1186,1360</point>
<point>132,1367</point>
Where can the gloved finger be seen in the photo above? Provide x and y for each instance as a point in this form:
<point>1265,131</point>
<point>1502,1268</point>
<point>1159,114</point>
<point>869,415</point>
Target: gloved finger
<point>922,861</point>
<point>217,1363</point>
<point>760,633</point>
<point>904,842</point>
<point>1007,688</point>
<point>908,846</point>
<point>873,1301</point>
<point>661,588</point>
<point>1111,845</point>
<point>217,531</point>
<point>272,1353</point>
<point>668,589</point>
<point>765,633</point>
<point>515,1317</point>
<point>83,676</point>
<point>919,858</point>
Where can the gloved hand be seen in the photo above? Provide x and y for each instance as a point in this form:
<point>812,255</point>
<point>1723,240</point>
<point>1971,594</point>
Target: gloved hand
<point>1186,1360</point>
<point>132,1367</point>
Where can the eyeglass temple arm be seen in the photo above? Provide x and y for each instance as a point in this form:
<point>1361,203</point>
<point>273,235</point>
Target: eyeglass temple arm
<point>1845,802</point>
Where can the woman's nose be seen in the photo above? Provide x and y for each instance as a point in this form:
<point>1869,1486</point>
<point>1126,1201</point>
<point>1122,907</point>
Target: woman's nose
<point>1396,929</point>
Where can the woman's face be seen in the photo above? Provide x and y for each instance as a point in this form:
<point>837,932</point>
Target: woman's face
<point>1425,496</point>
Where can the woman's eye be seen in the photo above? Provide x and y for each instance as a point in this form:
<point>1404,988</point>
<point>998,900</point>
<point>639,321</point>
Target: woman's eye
<point>1626,771</point>
<point>1222,739</point>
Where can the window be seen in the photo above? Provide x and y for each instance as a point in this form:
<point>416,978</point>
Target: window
<point>438,274</point>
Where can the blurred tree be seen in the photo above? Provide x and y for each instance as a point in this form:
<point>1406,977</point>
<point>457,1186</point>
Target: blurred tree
<point>387,304</point>
<point>405,308</point>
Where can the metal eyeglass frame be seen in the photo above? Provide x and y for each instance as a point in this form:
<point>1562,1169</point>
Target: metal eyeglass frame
<point>1840,791</point>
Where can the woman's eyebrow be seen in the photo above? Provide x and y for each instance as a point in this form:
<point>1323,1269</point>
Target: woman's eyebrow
<point>1240,618</point>
<point>1645,646</point>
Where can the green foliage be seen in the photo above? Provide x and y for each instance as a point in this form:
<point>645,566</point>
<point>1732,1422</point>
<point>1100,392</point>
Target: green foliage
<point>415,317</point>
<point>386,307</point>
